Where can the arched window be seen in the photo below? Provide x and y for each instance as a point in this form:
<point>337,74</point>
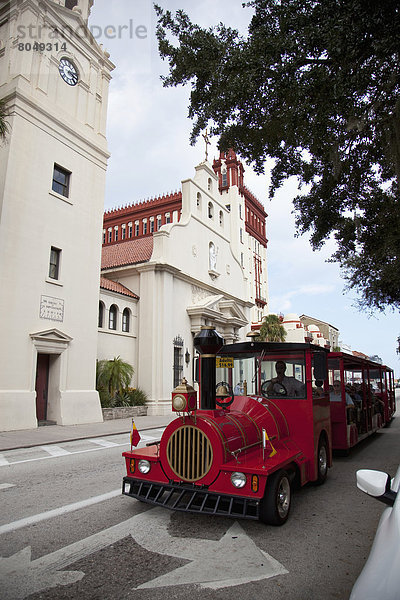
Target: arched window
<point>209,184</point>
<point>101,314</point>
<point>221,218</point>
<point>126,317</point>
<point>198,200</point>
<point>224,175</point>
<point>210,210</point>
<point>112,317</point>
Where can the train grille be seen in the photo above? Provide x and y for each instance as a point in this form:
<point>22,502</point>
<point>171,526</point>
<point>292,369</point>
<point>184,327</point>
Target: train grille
<point>189,453</point>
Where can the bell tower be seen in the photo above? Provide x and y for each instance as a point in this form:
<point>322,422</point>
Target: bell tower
<point>54,78</point>
<point>83,6</point>
<point>229,170</point>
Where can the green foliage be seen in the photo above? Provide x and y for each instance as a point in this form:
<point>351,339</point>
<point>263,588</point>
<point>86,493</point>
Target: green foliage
<point>272,329</point>
<point>131,397</point>
<point>106,400</point>
<point>113,375</point>
<point>315,86</point>
<point>112,382</point>
<point>125,397</point>
<point>4,126</point>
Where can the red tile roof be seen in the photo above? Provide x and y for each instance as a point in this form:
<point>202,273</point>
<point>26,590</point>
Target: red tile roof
<point>359,354</point>
<point>114,286</point>
<point>129,252</point>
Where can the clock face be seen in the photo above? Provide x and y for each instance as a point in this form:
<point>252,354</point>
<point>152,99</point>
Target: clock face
<point>68,71</point>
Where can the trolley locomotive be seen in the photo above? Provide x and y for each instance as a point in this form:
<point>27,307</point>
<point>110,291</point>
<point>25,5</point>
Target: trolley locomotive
<point>263,424</point>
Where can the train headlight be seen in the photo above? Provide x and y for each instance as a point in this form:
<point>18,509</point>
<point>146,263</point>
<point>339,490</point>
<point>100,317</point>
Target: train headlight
<point>238,480</point>
<point>179,403</point>
<point>144,466</point>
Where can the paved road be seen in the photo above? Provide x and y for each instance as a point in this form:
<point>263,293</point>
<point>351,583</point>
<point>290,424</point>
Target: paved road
<point>66,532</point>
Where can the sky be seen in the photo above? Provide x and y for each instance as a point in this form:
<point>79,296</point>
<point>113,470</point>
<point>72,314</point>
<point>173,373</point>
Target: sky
<point>148,132</point>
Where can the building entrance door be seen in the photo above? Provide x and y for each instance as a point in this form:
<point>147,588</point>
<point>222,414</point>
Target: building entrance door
<point>42,386</point>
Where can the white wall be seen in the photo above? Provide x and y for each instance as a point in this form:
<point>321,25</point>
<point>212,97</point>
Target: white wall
<point>50,124</point>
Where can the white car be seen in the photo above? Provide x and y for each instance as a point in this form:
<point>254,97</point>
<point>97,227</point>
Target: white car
<point>380,577</point>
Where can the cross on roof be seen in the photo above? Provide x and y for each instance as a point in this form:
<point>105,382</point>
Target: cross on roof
<point>207,142</point>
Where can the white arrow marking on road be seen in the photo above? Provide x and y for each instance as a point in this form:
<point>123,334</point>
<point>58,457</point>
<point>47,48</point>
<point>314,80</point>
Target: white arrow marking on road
<point>15,568</point>
<point>233,560</point>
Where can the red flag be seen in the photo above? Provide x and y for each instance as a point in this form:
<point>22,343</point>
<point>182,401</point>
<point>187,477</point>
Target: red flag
<point>135,435</point>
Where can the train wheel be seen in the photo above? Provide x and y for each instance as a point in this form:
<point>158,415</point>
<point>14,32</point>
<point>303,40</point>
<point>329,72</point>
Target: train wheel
<point>275,505</point>
<point>322,461</point>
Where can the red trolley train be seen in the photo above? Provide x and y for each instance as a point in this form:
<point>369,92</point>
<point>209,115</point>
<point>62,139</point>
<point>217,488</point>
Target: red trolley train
<point>264,421</point>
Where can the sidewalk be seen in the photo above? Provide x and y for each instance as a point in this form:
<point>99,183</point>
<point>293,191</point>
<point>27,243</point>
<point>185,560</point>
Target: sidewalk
<point>57,434</point>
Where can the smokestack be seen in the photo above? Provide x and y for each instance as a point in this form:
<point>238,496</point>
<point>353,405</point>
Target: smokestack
<point>207,342</point>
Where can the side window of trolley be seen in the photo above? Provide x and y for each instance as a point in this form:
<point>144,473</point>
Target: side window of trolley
<point>354,386</point>
<point>319,374</point>
<point>375,390</point>
<point>335,380</point>
<point>376,381</point>
<point>283,377</point>
<point>345,384</point>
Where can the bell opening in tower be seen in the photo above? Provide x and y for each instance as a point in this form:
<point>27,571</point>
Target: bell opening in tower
<point>70,4</point>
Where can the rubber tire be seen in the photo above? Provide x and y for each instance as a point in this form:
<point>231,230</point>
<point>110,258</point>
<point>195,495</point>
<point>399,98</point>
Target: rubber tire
<point>275,508</point>
<point>322,461</point>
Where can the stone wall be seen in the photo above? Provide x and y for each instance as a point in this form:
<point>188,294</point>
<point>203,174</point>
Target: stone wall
<point>123,412</point>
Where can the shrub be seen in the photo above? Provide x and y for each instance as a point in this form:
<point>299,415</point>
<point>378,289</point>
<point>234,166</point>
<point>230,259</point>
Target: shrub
<point>125,397</point>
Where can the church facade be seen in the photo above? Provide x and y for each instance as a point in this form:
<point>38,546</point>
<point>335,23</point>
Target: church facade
<point>167,266</point>
<point>52,179</point>
<point>175,263</point>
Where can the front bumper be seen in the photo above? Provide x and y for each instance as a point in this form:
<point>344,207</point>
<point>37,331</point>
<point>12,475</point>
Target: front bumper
<point>186,498</point>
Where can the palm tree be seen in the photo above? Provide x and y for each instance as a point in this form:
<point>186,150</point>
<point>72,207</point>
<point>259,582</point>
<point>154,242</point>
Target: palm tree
<point>4,126</point>
<point>272,329</point>
<point>113,375</point>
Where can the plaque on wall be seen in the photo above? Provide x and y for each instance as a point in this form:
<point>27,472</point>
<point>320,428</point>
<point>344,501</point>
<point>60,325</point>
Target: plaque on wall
<point>51,308</point>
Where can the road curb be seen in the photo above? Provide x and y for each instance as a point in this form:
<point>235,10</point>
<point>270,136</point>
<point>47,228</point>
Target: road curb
<point>76,439</point>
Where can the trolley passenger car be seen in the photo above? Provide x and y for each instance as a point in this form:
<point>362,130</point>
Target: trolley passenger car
<point>362,398</point>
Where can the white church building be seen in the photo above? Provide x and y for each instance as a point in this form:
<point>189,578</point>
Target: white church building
<point>175,263</point>
<point>52,180</point>
<point>167,266</point>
